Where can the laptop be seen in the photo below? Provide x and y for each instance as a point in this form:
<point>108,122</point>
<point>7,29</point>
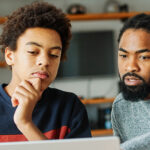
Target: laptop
<point>95,143</point>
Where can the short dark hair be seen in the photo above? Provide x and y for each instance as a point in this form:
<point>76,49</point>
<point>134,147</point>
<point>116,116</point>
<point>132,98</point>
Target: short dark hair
<point>140,21</point>
<point>37,14</point>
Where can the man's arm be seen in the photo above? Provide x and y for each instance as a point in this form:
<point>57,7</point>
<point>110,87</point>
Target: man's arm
<point>138,143</point>
<point>115,124</point>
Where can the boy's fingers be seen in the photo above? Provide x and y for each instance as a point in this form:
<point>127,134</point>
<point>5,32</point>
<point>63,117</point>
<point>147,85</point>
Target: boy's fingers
<point>15,103</point>
<point>36,82</point>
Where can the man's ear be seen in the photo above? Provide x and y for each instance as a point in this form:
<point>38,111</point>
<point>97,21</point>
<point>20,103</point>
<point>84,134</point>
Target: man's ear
<point>9,56</point>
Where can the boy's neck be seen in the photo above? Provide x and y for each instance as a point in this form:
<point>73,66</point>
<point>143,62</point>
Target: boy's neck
<point>9,89</point>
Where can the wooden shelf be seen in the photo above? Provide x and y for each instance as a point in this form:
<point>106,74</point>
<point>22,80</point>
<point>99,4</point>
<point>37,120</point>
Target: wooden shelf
<point>2,20</point>
<point>99,132</point>
<point>97,101</point>
<point>103,16</point>
<point>2,64</point>
<point>102,132</point>
<point>95,16</point>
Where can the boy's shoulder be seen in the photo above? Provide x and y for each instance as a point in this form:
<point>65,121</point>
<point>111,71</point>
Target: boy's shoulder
<point>57,95</point>
<point>60,97</point>
<point>58,92</point>
<point>2,91</point>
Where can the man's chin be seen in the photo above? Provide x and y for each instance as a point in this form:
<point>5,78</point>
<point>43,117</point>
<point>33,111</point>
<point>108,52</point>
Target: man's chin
<point>134,93</point>
<point>133,89</point>
<point>130,96</point>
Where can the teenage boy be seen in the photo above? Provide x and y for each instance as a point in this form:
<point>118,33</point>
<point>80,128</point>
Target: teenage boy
<point>34,39</point>
<point>131,109</point>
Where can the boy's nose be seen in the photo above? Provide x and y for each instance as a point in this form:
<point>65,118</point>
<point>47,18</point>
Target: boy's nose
<point>43,61</point>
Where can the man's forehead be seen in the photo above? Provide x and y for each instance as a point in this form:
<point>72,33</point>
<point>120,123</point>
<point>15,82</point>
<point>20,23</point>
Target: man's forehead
<point>135,34</point>
<point>135,40</point>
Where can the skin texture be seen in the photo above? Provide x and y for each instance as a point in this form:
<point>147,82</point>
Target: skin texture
<point>134,56</point>
<point>34,65</point>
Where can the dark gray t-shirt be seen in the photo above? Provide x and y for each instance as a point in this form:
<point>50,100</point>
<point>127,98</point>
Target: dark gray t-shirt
<point>131,122</point>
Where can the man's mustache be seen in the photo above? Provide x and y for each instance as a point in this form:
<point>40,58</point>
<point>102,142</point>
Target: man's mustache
<point>132,74</point>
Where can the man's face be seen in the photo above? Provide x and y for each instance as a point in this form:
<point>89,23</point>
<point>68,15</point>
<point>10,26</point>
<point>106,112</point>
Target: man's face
<point>134,64</point>
<point>37,55</point>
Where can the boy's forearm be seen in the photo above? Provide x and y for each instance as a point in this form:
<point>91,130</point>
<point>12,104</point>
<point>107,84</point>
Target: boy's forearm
<point>31,132</point>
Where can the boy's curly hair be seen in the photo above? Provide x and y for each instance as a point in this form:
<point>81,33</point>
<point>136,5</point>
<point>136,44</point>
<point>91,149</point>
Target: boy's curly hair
<point>37,14</point>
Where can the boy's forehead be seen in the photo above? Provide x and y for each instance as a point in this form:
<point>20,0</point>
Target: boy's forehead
<point>40,37</point>
<point>39,34</point>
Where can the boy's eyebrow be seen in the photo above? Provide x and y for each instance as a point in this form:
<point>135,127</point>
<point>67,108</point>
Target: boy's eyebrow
<point>56,47</point>
<point>37,44</point>
<point>34,43</point>
<point>138,51</point>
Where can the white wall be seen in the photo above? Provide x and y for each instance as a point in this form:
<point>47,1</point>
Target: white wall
<point>90,87</point>
<point>93,6</point>
<point>5,75</point>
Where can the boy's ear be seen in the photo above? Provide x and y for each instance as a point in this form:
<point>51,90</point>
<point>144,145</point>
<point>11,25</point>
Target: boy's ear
<point>9,56</point>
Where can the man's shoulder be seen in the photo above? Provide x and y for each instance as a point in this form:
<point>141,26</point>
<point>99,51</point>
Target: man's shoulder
<point>119,100</point>
<point>121,107</point>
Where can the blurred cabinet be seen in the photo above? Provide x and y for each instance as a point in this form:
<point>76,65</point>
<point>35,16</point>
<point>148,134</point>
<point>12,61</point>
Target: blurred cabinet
<point>99,101</point>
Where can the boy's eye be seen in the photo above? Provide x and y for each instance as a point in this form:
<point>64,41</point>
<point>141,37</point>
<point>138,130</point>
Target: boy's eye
<point>55,56</point>
<point>32,52</point>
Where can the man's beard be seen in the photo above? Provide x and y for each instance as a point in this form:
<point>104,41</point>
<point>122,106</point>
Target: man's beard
<point>134,93</point>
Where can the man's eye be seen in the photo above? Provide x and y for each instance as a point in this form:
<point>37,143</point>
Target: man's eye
<point>144,57</point>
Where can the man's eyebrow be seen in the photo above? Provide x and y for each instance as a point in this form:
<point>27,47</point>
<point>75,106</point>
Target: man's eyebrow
<point>143,51</point>
<point>138,51</point>
<point>39,45</point>
<point>123,50</point>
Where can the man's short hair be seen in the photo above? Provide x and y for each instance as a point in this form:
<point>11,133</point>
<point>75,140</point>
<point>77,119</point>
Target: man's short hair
<point>37,14</point>
<point>140,21</point>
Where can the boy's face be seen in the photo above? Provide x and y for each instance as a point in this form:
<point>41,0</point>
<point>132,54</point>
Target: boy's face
<point>37,55</point>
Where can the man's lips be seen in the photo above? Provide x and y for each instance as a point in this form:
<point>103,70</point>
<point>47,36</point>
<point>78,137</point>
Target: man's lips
<point>41,75</point>
<point>132,81</point>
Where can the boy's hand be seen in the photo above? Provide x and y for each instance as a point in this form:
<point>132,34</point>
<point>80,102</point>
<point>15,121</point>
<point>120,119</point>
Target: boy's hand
<point>25,97</point>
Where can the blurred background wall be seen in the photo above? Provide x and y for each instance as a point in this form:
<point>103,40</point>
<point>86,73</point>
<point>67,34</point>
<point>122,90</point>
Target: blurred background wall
<point>99,86</point>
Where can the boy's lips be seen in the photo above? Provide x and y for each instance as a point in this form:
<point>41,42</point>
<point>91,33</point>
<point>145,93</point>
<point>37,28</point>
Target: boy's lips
<point>41,75</point>
<point>132,81</point>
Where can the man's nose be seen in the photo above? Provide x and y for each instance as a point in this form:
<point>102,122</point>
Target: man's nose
<point>132,65</point>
